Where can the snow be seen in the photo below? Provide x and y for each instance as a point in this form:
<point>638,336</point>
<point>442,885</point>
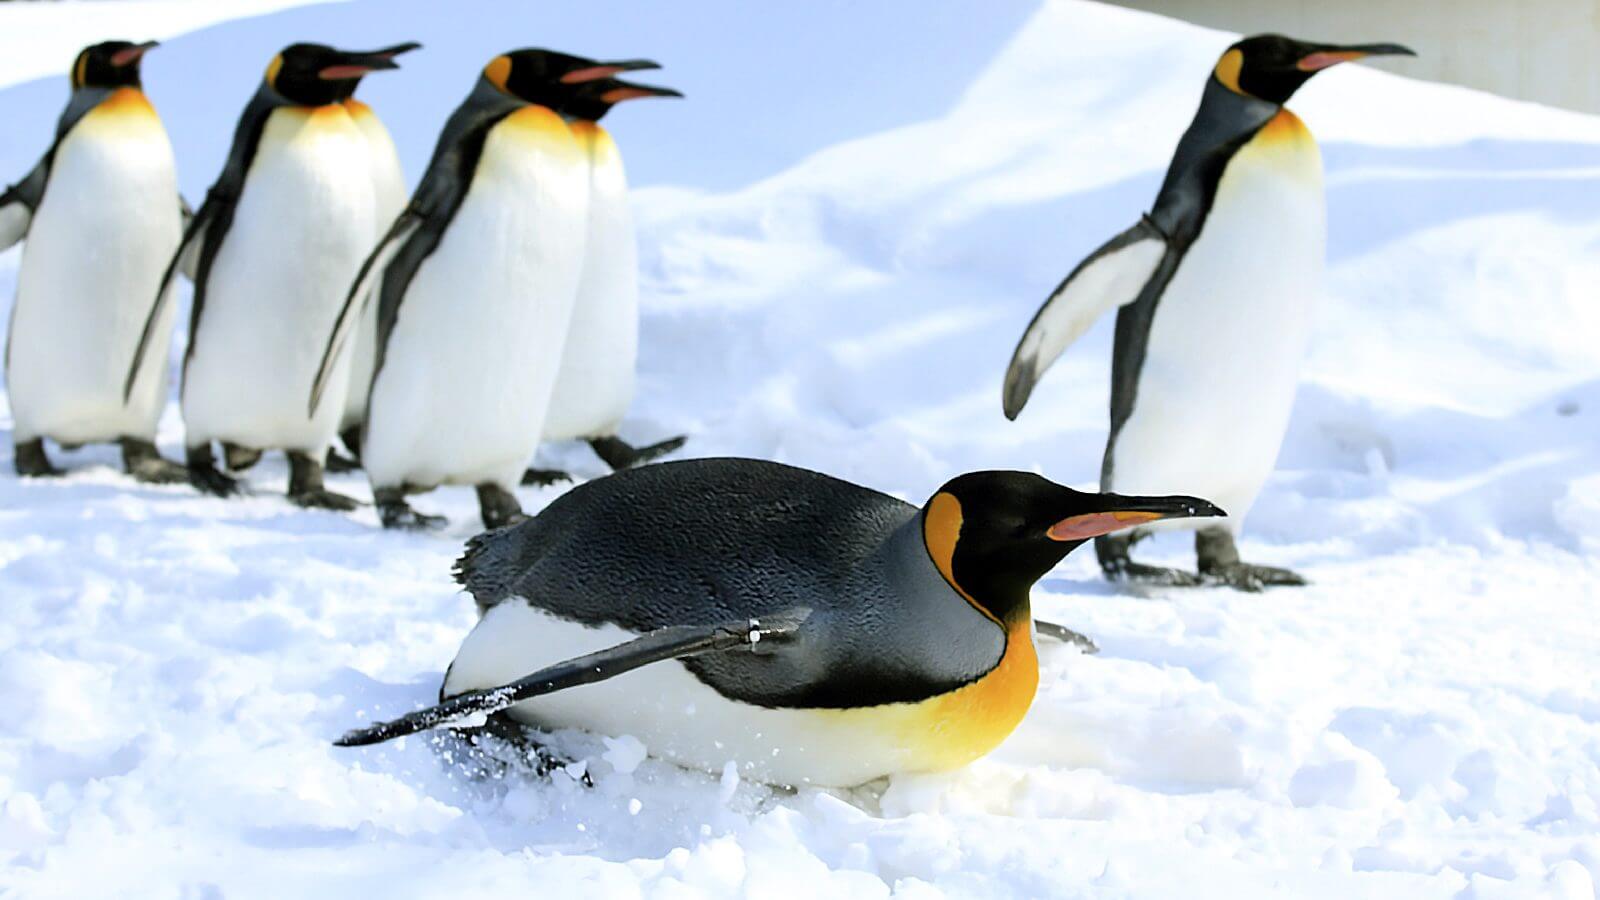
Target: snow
<point>844,229</point>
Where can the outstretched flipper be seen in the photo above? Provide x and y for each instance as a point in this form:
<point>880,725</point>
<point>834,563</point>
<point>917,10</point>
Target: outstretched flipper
<point>1065,635</point>
<point>672,642</point>
<point>1113,276</point>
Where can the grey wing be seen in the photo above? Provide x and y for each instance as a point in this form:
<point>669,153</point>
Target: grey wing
<point>1112,276</point>
<point>377,262</point>
<point>19,202</point>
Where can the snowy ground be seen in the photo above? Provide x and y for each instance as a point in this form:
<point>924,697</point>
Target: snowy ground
<point>843,230</point>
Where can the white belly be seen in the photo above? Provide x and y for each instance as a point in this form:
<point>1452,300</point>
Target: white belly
<point>390,185</point>
<point>304,223</point>
<point>677,716</point>
<point>595,385</point>
<point>95,253</point>
<point>469,366</point>
<point>1224,352</point>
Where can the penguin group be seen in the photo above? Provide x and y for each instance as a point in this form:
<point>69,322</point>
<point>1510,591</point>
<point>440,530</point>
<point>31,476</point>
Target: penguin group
<point>819,631</point>
<point>326,305</point>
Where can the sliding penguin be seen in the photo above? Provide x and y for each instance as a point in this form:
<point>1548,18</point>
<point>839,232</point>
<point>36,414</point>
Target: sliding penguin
<point>812,630</point>
<point>280,236</point>
<point>595,385</point>
<point>102,215</point>
<point>1216,288</point>
<point>477,278</point>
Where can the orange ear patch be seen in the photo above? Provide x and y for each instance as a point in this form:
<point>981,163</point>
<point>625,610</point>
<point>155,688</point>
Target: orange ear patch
<point>1092,525</point>
<point>1228,68</point>
<point>497,71</point>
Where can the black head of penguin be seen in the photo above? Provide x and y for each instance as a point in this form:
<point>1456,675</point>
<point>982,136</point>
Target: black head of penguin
<point>549,78</point>
<point>316,74</point>
<point>1272,67</point>
<point>993,534</point>
<point>112,64</point>
<point>591,100</point>
<point>350,84</point>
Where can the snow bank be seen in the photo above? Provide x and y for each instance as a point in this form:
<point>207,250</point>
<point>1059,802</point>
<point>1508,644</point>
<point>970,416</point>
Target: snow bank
<point>843,230</point>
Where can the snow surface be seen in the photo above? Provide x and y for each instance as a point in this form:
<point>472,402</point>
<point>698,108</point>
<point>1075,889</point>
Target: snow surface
<point>844,229</point>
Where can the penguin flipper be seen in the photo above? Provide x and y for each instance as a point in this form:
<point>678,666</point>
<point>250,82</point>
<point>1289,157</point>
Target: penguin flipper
<point>672,642</point>
<point>355,301</point>
<point>1112,276</point>
<point>18,202</point>
<point>184,259</point>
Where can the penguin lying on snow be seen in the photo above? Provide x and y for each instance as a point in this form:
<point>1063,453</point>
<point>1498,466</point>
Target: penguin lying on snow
<point>477,280</point>
<point>280,235</point>
<point>102,215</point>
<point>1216,289</point>
<point>595,385</point>
<point>816,631</point>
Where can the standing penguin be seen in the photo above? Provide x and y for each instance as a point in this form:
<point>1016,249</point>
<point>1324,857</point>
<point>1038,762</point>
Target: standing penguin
<point>477,280</point>
<point>102,216</point>
<point>816,631</point>
<point>595,385</point>
<point>280,235</point>
<point>390,184</point>
<point>1216,287</point>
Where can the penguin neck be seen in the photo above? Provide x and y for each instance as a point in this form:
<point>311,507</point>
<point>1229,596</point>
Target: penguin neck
<point>1225,120</point>
<point>995,592</point>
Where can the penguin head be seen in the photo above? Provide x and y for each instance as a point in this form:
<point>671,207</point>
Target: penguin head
<point>1272,67</point>
<point>350,84</point>
<point>112,64</point>
<point>993,534</point>
<point>591,100</point>
<point>548,78</point>
<point>316,74</point>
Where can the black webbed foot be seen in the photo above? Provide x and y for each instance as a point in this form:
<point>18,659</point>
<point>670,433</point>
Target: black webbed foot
<point>1115,563</point>
<point>306,488</point>
<point>339,464</point>
<point>31,461</point>
<point>544,477</point>
<point>238,458</point>
<point>502,743</point>
<point>619,454</point>
<point>204,476</point>
<point>498,506</point>
<point>395,512</point>
<point>141,460</point>
<point>1220,564</point>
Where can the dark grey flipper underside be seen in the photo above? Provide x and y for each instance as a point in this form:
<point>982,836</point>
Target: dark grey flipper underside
<point>672,642</point>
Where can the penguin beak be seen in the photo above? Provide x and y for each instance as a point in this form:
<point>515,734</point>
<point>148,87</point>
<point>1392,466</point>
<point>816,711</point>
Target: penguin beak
<point>1126,512</point>
<point>131,55</point>
<point>1325,57</point>
<point>356,65</point>
<point>607,69</point>
<point>629,91</point>
<point>396,50</point>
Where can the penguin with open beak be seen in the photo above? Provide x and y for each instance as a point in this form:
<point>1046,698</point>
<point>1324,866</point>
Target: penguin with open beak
<point>1216,289</point>
<point>815,631</point>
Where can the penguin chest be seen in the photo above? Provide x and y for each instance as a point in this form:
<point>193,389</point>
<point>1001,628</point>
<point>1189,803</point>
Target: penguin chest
<point>1223,351</point>
<point>470,363</point>
<point>95,252</point>
<point>304,222</point>
<point>595,385</point>
<point>682,719</point>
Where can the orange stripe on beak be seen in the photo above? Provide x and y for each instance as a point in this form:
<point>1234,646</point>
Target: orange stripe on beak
<point>1323,59</point>
<point>1092,525</point>
<point>343,73</point>
<point>578,76</point>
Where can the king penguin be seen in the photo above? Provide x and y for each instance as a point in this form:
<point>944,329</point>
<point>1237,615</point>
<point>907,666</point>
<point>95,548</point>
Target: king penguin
<point>595,385</point>
<point>477,280</point>
<point>101,215</point>
<point>1216,288</point>
<point>280,236</point>
<point>815,631</point>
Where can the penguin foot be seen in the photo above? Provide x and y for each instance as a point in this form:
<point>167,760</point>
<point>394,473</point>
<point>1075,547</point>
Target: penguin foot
<point>140,459</point>
<point>338,463</point>
<point>324,499</point>
<point>498,506</point>
<point>203,474</point>
<point>238,458</point>
<point>1139,572</point>
<point>1066,635</point>
<point>501,744</point>
<point>31,461</point>
<point>619,454</point>
<point>1251,578</point>
<point>544,477</point>
<point>395,512</point>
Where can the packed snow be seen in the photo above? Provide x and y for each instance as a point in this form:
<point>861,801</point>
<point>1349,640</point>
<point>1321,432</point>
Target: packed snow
<point>843,230</point>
